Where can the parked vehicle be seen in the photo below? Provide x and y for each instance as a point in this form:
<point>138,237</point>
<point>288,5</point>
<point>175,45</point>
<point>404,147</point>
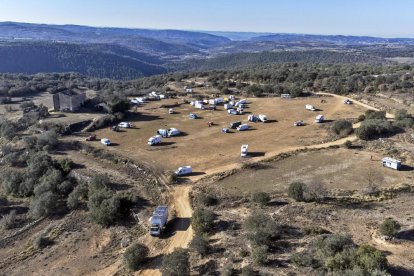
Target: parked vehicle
<point>243,127</point>
<point>285,96</point>
<point>225,130</point>
<point>210,124</point>
<point>234,125</point>
<point>228,106</point>
<point>391,163</point>
<point>232,112</point>
<point>310,107</point>
<point>299,123</point>
<point>192,116</point>
<point>319,119</point>
<point>169,132</point>
<point>170,111</point>
<point>244,150</point>
<point>115,128</point>
<point>158,220</point>
<point>125,125</point>
<point>154,140</point>
<point>91,138</point>
<point>348,101</point>
<point>252,118</point>
<point>263,118</point>
<point>105,141</point>
<point>186,170</point>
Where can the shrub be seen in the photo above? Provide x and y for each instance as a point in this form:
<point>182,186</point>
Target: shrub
<point>135,255</point>
<point>389,228</point>
<point>103,206</point>
<point>341,260</point>
<point>8,129</point>
<point>371,129</point>
<point>342,128</point>
<point>315,230</point>
<point>202,221</point>
<point>375,115</point>
<point>65,165</point>
<point>204,199</point>
<point>304,259</point>
<point>348,144</point>
<point>262,229</point>
<point>261,198</point>
<point>43,204</point>
<point>200,245</point>
<point>315,191</point>
<point>176,263</point>
<point>41,242</point>
<point>330,245</point>
<point>248,271</point>
<point>79,192</point>
<point>297,191</point>
<point>370,259</point>
<point>8,221</point>
<point>259,255</point>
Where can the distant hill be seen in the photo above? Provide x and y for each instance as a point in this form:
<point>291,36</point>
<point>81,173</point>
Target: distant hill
<point>162,42</point>
<point>239,60</point>
<point>332,39</point>
<point>103,61</point>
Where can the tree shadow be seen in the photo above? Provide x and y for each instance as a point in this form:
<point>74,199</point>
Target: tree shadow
<point>407,235</point>
<point>400,271</point>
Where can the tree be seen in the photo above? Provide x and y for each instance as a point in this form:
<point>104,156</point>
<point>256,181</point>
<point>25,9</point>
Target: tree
<point>297,191</point>
<point>342,128</point>
<point>176,263</point>
<point>202,221</point>
<point>135,256</point>
<point>370,259</point>
<point>390,227</point>
<point>44,204</point>
<point>103,207</point>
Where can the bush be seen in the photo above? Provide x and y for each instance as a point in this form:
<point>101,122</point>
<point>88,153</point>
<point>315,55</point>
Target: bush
<point>176,264</point>
<point>248,271</point>
<point>103,206</point>
<point>259,255</point>
<point>342,128</point>
<point>80,192</point>
<point>200,245</point>
<point>8,129</point>
<point>389,228</point>
<point>348,144</point>
<point>375,115</point>
<point>315,191</point>
<point>44,204</point>
<point>41,242</point>
<point>202,221</point>
<point>330,245</point>
<point>261,198</point>
<point>65,165</point>
<point>370,259</point>
<point>204,199</point>
<point>262,229</point>
<point>297,191</point>
<point>135,256</point>
<point>315,230</point>
<point>371,129</point>
<point>8,221</point>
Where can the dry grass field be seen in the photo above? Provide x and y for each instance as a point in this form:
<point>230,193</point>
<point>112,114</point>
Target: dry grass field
<point>207,148</point>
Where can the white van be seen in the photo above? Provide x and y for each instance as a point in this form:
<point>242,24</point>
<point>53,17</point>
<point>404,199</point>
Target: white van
<point>154,140</point>
<point>186,170</point>
<point>244,150</point>
<point>243,127</point>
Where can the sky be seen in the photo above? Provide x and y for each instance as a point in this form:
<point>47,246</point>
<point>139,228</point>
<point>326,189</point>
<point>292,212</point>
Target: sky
<point>386,18</point>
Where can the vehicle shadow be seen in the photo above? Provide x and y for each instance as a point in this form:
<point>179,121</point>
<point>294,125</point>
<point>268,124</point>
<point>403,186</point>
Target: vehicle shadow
<point>406,168</point>
<point>164,144</point>
<point>257,154</point>
<point>271,121</point>
<point>175,225</point>
<point>407,235</point>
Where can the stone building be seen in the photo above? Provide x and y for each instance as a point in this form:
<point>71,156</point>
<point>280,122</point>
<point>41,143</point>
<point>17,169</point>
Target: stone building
<point>68,101</point>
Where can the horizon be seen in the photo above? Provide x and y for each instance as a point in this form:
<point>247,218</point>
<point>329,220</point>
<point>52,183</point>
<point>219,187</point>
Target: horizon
<point>379,18</point>
<point>204,31</point>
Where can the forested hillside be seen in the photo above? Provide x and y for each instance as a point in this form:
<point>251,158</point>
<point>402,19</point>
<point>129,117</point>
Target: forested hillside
<point>92,60</point>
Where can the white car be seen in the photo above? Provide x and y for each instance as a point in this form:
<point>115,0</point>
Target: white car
<point>154,140</point>
<point>244,150</point>
<point>170,111</point>
<point>125,125</point>
<point>186,170</point>
<point>105,141</point>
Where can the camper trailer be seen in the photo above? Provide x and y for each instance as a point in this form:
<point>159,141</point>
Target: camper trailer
<point>244,150</point>
<point>243,127</point>
<point>310,107</point>
<point>319,119</point>
<point>391,163</point>
<point>154,140</point>
<point>158,221</point>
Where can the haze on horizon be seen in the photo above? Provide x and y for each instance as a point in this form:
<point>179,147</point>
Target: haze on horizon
<point>368,17</point>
